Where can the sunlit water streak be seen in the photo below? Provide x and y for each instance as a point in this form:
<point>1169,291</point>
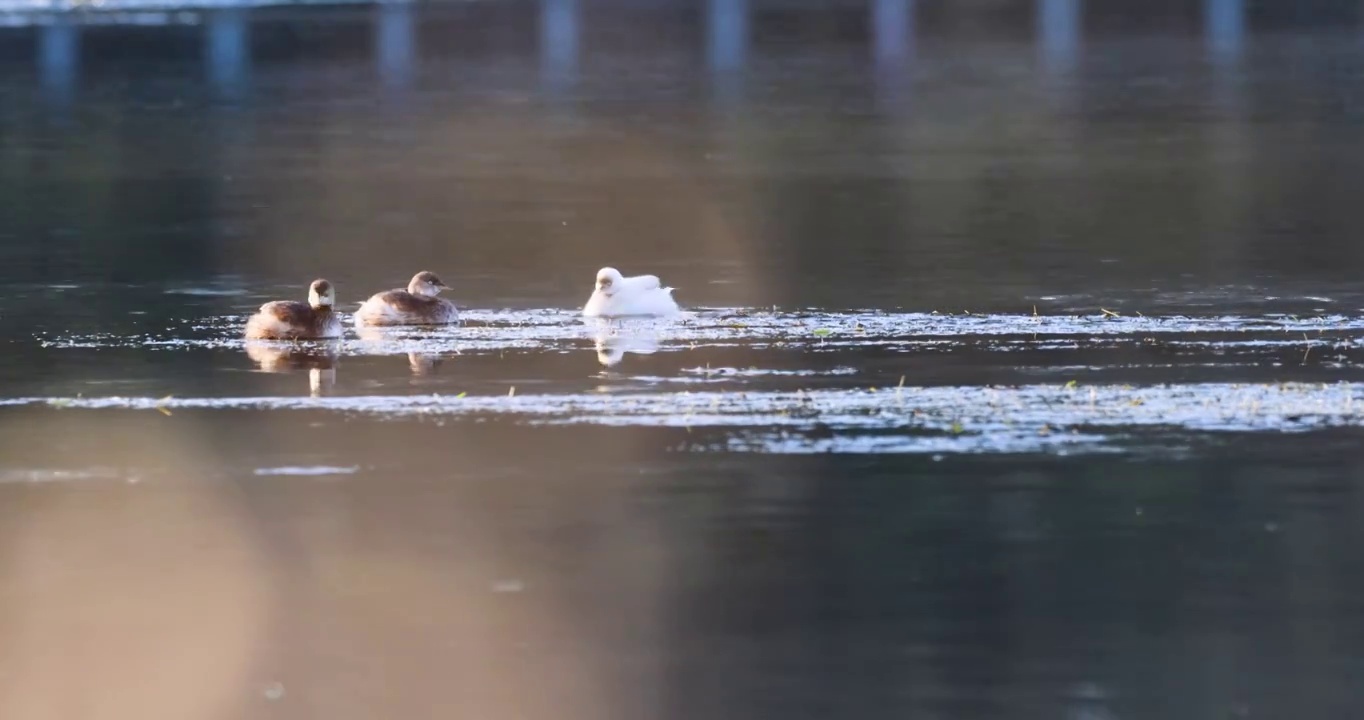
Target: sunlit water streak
<point>306,470</point>
<point>775,403</point>
<point>487,331</point>
<point>900,419</point>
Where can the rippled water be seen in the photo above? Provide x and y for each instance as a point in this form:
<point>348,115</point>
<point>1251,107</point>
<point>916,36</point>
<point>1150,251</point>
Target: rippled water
<point>781,381</point>
<point>1020,373</point>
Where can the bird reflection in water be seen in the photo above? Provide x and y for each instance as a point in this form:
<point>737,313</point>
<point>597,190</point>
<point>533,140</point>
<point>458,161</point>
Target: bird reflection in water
<point>319,359</point>
<point>612,346</point>
<point>421,364</point>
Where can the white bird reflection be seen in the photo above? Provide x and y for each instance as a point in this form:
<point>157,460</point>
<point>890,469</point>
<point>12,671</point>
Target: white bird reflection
<point>612,346</point>
<point>319,359</point>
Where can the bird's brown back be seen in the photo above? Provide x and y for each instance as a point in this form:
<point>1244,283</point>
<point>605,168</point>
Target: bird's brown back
<point>297,314</point>
<point>405,301</point>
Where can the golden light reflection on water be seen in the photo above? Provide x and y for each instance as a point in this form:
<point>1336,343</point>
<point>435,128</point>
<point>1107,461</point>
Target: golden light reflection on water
<point>123,601</point>
<point>180,586</point>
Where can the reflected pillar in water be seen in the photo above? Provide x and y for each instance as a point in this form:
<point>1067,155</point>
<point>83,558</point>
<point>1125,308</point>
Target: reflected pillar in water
<point>1058,29</point>
<point>1228,145</point>
<point>227,50</point>
<point>394,43</point>
<point>59,50</point>
<point>558,44</point>
<point>727,34</point>
<point>1224,28</point>
<point>726,221</point>
<point>1058,38</point>
<point>1057,120</point>
<point>727,44</point>
<point>892,32</point>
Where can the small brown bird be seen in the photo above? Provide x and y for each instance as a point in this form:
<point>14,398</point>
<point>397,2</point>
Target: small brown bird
<point>417,305</point>
<point>291,320</point>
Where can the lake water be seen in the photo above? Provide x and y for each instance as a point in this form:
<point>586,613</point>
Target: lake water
<point>1018,378</point>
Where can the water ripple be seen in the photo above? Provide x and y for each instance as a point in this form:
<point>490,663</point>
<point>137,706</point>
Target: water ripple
<point>502,330</point>
<point>907,419</point>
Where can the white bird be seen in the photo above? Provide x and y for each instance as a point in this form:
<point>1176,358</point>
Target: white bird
<point>617,296</point>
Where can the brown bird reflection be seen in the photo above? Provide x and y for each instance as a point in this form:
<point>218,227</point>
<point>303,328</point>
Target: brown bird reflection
<point>319,359</point>
<point>421,364</point>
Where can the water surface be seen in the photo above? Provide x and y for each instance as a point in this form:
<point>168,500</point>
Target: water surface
<point>1019,375</point>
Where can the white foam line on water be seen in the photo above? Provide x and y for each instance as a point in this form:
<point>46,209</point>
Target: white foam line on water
<point>46,475</point>
<point>308,470</point>
<point>206,292</point>
<point>720,372</point>
<point>786,443</point>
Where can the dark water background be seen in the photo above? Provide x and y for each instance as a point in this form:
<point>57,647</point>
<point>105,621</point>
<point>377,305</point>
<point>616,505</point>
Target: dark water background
<point>496,521</point>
